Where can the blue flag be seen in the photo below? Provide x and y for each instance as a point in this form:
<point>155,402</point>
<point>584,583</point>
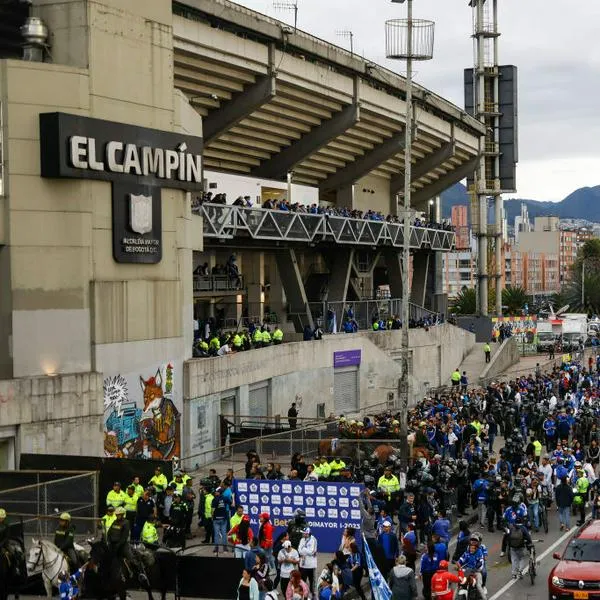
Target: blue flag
<point>380,590</point>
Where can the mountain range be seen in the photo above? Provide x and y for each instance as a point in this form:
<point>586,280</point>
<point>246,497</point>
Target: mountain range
<point>583,203</point>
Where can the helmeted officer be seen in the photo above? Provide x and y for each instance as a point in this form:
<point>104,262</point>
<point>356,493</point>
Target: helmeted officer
<point>64,539</point>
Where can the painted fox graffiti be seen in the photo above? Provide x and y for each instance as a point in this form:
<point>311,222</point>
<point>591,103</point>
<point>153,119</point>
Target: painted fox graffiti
<point>160,422</point>
<point>144,424</point>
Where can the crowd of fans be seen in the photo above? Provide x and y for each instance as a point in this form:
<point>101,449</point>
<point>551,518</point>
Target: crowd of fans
<point>550,453</point>
<point>316,209</point>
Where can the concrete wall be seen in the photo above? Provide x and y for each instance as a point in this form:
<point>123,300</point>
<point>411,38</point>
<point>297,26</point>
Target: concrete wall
<point>65,305</point>
<point>507,355</point>
<point>303,371</point>
<point>376,194</point>
<point>54,415</point>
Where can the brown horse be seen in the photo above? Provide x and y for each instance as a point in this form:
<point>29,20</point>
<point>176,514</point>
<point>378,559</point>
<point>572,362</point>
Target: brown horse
<point>161,421</point>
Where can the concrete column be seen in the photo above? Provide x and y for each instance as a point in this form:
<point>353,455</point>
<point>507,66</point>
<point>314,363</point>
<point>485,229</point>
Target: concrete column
<point>340,266</point>
<point>277,300</point>
<point>233,307</point>
<point>345,196</point>
<point>420,265</point>
<point>393,262</point>
<point>253,272</point>
<point>287,265</point>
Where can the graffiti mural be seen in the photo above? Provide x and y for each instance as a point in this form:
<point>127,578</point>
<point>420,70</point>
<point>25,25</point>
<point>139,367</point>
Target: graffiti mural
<point>140,416</point>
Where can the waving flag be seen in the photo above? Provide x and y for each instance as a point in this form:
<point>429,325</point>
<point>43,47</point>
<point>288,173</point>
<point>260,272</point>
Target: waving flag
<point>380,590</point>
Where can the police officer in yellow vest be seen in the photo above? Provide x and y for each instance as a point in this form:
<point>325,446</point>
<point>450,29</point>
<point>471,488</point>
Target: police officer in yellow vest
<point>238,343</point>
<point>277,336</point>
<point>257,338</point>
<point>337,465</point>
<point>149,535</point>
<point>159,481</point>
<point>582,486</point>
<point>178,481</point>
<point>64,539</point>
<point>130,505</point>
<point>487,351</point>
<point>325,468</point>
<point>266,336</point>
<point>455,377</point>
<point>214,345</point>
<point>107,520</point>
<point>116,496</point>
<point>209,534</point>
<point>388,485</point>
<point>201,348</point>
<point>138,488</point>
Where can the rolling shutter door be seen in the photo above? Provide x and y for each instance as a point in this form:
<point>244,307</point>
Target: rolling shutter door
<point>259,400</point>
<point>345,384</point>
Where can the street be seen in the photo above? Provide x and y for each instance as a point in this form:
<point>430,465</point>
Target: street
<point>501,585</point>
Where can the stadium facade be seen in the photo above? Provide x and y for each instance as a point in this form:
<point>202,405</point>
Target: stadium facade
<point>115,119</point>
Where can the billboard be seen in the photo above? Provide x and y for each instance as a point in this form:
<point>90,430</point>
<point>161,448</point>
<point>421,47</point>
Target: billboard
<point>329,507</point>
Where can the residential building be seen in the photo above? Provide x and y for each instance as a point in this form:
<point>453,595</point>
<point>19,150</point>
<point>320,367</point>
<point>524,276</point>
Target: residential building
<point>460,221</point>
<point>536,272</point>
<point>460,269</point>
<point>522,222</point>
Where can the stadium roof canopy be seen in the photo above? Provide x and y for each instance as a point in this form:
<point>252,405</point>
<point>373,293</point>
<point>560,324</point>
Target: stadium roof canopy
<point>275,100</point>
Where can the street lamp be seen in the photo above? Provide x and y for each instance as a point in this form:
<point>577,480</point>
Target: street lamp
<point>407,39</point>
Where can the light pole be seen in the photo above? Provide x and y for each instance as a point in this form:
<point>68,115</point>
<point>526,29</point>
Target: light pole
<point>407,39</point>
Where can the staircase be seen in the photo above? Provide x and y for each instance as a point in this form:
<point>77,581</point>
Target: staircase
<point>474,362</point>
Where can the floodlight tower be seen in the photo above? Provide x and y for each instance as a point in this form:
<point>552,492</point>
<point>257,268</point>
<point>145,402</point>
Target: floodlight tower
<point>410,40</point>
<point>487,183</point>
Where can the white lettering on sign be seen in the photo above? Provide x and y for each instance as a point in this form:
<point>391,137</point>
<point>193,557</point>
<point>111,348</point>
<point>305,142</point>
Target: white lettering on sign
<point>118,157</point>
<point>78,152</point>
<point>111,156</point>
<point>94,164</point>
<point>153,161</point>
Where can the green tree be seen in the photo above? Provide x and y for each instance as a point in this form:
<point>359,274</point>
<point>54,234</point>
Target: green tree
<point>591,292</point>
<point>465,302</point>
<point>514,299</point>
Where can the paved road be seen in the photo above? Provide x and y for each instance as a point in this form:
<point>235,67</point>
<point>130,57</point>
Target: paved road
<point>500,585</point>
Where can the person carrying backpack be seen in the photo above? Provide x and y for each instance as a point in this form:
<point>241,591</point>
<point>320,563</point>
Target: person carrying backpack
<point>519,541</point>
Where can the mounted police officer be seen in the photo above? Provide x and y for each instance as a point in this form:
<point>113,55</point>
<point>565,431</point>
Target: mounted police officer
<point>117,539</point>
<point>64,539</point>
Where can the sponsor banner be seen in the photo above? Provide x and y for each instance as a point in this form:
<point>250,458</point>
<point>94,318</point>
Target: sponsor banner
<point>329,507</point>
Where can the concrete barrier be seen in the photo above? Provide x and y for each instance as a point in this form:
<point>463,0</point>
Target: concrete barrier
<point>507,355</point>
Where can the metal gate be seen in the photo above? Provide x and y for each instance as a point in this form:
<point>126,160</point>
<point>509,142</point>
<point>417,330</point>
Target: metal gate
<point>258,401</point>
<point>346,390</point>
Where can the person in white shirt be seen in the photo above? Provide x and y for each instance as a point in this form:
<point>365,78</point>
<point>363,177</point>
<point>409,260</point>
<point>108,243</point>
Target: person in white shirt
<point>223,350</point>
<point>553,402</point>
<point>307,549</point>
<point>546,469</point>
<point>589,471</point>
<point>288,558</point>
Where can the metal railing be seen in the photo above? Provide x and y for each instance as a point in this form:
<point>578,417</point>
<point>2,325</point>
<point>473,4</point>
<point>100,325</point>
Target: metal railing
<point>218,283</point>
<point>39,505</point>
<point>365,311</point>
<point>228,222</point>
<point>236,424</point>
<point>304,440</point>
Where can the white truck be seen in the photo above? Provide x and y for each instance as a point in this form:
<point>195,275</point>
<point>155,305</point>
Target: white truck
<point>546,338</point>
<point>574,329</point>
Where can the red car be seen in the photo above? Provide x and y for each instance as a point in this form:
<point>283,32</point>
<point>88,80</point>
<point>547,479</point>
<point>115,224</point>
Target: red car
<point>577,575</point>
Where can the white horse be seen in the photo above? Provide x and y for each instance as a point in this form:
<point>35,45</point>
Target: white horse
<point>45,556</point>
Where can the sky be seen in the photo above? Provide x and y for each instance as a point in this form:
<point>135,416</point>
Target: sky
<point>554,44</point>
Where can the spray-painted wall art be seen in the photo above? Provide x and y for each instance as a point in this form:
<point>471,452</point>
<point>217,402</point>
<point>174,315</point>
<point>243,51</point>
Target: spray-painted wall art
<point>140,416</point>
